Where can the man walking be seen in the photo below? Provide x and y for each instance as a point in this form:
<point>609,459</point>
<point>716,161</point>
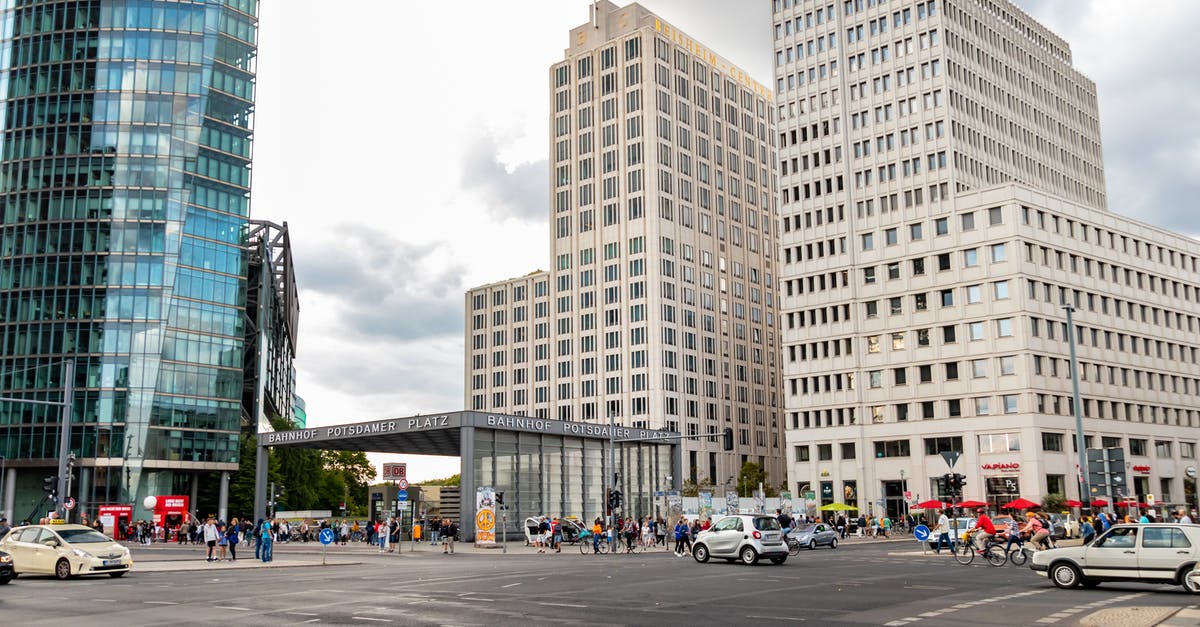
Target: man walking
<point>210,538</point>
<point>266,540</point>
<point>943,531</point>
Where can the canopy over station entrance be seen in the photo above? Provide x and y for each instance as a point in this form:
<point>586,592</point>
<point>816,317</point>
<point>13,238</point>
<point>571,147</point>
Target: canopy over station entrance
<point>543,467</point>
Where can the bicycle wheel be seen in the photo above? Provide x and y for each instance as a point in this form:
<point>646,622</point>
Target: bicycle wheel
<point>585,546</point>
<point>604,547</point>
<point>995,555</point>
<point>964,553</point>
<point>793,547</point>
<point>1018,556</point>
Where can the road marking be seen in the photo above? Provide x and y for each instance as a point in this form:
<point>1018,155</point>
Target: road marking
<point>961,606</point>
<point>105,600</point>
<point>160,603</point>
<point>559,604</point>
<point>230,607</point>
<point>792,618</point>
<point>928,588</point>
<point>378,620</point>
<point>478,599</point>
<point>301,614</point>
<point>511,585</point>
<point>1071,611</point>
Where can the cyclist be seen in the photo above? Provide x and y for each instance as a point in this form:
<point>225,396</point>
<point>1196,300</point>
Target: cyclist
<point>1036,530</point>
<point>786,523</point>
<point>1013,534</point>
<point>986,531</point>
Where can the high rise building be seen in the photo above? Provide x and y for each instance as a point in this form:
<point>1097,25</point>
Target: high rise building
<point>942,197</point>
<point>659,308</point>
<point>124,198</point>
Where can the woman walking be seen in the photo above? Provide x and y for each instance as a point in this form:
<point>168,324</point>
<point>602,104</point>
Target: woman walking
<point>232,539</point>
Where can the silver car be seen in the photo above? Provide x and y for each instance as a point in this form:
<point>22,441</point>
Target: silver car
<point>744,536</point>
<point>815,535</point>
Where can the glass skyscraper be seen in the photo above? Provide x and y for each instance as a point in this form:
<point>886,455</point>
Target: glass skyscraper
<point>124,200</point>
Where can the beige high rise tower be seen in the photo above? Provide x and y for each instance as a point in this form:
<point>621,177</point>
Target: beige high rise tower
<point>659,308</point>
<point>942,198</point>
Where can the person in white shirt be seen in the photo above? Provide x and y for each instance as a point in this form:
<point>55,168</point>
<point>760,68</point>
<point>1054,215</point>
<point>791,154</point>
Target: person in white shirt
<point>1182,517</point>
<point>210,538</point>
<point>943,531</point>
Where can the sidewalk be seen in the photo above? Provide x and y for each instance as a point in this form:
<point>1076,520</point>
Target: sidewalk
<point>1185,617</point>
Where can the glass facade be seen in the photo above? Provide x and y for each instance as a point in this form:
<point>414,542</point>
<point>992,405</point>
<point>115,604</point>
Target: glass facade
<point>124,198</point>
<point>553,475</point>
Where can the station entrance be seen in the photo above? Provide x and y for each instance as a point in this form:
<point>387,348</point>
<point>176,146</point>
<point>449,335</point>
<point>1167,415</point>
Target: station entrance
<point>544,467</point>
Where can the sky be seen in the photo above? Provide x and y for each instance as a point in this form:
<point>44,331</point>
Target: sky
<point>405,145</point>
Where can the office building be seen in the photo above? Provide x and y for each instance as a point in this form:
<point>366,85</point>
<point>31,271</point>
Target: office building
<point>659,309</point>
<point>125,169</point>
<point>942,196</point>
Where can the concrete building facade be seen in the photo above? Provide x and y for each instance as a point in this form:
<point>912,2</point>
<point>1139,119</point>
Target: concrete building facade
<point>942,196</point>
<point>659,308</point>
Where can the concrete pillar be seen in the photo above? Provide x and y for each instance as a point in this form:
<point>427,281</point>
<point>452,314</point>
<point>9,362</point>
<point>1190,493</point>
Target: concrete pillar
<point>262,459</point>
<point>466,489</point>
<point>223,499</point>
<point>193,506</point>
<point>10,496</point>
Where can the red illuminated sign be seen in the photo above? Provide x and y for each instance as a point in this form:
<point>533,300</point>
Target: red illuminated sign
<point>1142,469</point>
<point>1003,466</point>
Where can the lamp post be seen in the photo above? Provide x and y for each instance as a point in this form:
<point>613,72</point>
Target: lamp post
<point>1084,495</point>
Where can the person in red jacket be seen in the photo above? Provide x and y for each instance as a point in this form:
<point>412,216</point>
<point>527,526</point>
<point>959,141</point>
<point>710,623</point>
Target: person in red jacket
<point>985,528</point>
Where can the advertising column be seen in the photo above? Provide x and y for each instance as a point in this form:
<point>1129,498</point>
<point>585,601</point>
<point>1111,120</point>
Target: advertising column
<point>485,517</point>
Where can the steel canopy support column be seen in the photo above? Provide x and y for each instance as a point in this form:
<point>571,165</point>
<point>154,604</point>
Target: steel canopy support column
<point>223,497</point>
<point>466,484</point>
<point>261,461</point>
<point>10,495</point>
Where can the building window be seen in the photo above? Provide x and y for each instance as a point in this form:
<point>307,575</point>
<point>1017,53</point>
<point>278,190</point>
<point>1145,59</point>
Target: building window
<point>937,446</point>
<point>1056,484</point>
<point>802,453</point>
<point>892,448</point>
<point>981,406</point>
<point>1187,450</point>
<point>1162,448</point>
<point>824,452</point>
<point>848,450</point>
<point>999,442</point>
<point>1010,403</point>
<point>1137,446</point>
<point>999,253</point>
<point>1052,441</point>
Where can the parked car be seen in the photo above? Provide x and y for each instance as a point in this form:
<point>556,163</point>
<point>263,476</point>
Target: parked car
<point>1150,553</point>
<point>1064,526</point>
<point>65,551</point>
<point>963,524</point>
<point>815,535</point>
<point>6,568</point>
<point>743,536</point>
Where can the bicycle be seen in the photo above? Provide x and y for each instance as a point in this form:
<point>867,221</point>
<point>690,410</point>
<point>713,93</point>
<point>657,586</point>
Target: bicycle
<point>587,544</point>
<point>794,546</point>
<point>965,552</point>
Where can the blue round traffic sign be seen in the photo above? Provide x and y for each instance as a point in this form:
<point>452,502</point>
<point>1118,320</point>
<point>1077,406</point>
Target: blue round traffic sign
<point>402,495</point>
<point>921,533</point>
<point>327,536</point>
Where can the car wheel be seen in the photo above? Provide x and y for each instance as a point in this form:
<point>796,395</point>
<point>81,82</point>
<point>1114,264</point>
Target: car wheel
<point>749,556</point>
<point>833,543</point>
<point>700,553</point>
<point>778,560</point>
<point>119,574</point>
<point>1065,575</point>
<point>62,569</point>
<point>812,544</point>
<point>1191,580</point>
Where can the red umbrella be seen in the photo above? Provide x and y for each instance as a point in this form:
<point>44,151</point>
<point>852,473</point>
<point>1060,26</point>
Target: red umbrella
<point>1021,504</point>
<point>931,504</point>
<point>1073,503</point>
<point>971,504</point>
<point>1130,504</point>
<point>1099,503</point>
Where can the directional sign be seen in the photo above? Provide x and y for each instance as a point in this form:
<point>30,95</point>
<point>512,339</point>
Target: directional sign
<point>327,536</point>
<point>403,483</point>
<point>921,533</point>
<point>951,457</point>
<point>69,503</point>
<point>402,495</point>
<point>1191,471</point>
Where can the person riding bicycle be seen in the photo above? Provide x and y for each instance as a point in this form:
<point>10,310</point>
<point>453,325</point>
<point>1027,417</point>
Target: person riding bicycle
<point>986,531</point>
<point>1036,530</point>
<point>786,523</point>
<point>1013,534</point>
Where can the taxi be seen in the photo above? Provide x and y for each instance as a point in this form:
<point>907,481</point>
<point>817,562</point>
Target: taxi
<point>65,551</point>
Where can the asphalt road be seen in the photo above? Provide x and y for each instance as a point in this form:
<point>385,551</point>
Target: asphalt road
<point>873,584</point>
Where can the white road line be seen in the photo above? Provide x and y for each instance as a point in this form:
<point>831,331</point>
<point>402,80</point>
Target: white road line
<point>478,599</point>
<point>230,607</point>
<point>378,620</point>
<point>105,600</point>
<point>559,604</point>
<point>511,585</point>
<point>301,614</point>
<point>160,603</point>
<point>791,618</point>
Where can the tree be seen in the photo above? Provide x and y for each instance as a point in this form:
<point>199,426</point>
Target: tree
<point>750,476</point>
<point>1054,502</point>
<point>693,488</point>
<point>452,480</point>
<point>355,473</point>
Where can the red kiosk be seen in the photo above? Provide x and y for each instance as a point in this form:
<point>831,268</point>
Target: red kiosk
<point>169,511</point>
<point>114,518</point>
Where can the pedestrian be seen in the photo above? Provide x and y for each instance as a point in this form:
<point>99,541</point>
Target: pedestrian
<point>451,531</point>
<point>597,529</point>
<point>680,532</point>
<point>841,526</point>
<point>394,534</point>
<point>660,532</point>
<point>232,538</point>
<point>435,530</point>
<point>886,525</point>
<point>258,539</point>
<point>265,534</point>
<point>222,540</point>
<point>383,535</point>
<point>1087,530</point>
<point>556,534</point>
<point>943,532</point>
<point>4,526</point>
<point>210,538</point>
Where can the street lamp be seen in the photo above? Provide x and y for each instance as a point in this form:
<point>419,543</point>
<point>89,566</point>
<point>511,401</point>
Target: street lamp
<point>1084,495</point>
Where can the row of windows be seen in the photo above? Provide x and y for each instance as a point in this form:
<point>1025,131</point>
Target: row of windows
<point>1005,365</point>
<point>1112,340</point>
<point>1055,367</point>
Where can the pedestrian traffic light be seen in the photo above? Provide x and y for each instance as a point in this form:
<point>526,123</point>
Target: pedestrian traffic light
<point>728,438</point>
<point>50,485</point>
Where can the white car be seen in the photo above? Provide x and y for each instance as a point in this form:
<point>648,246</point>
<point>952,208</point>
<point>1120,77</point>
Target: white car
<point>1150,553</point>
<point>65,551</point>
<point>742,536</point>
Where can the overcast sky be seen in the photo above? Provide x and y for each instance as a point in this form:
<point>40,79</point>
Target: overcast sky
<point>405,145</point>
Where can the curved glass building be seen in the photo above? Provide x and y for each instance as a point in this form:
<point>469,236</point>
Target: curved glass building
<point>124,199</point>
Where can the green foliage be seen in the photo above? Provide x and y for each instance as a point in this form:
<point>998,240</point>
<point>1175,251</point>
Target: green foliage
<point>693,488</point>
<point>453,480</point>
<point>750,476</point>
<point>1054,502</point>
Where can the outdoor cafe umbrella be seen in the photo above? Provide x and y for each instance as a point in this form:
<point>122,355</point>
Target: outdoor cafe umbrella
<point>970,504</point>
<point>1021,504</point>
<point>1099,503</point>
<point>1073,503</point>
<point>931,504</point>
<point>837,507</point>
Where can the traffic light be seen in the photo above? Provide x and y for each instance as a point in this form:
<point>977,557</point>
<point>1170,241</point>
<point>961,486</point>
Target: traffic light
<point>960,481</point>
<point>50,485</point>
<point>728,438</point>
<point>948,480</point>
<point>614,499</point>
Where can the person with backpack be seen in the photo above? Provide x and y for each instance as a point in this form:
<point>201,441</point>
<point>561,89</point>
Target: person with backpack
<point>232,538</point>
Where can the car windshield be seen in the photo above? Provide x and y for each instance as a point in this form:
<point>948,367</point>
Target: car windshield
<point>806,528</point>
<point>766,523</point>
<point>82,536</point>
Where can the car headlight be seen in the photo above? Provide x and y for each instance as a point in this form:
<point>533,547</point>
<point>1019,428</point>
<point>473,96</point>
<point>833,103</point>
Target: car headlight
<point>123,549</point>
<point>81,553</point>
<point>5,559</point>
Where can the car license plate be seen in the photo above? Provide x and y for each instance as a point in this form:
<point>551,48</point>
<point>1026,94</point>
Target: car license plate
<point>112,562</point>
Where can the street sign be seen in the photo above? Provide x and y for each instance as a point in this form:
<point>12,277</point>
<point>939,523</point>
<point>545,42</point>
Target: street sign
<point>810,495</point>
<point>921,533</point>
<point>69,503</point>
<point>951,457</point>
<point>908,495</point>
<point>402,506</point>
<point>659,493</point>
<point>403,484</point>
<point>327,536</point>
<point>1190,472</point>
<point>402,495</point>
<point>1149,500</point>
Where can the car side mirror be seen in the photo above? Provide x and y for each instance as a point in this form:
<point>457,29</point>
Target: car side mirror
<point>50,542</point>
